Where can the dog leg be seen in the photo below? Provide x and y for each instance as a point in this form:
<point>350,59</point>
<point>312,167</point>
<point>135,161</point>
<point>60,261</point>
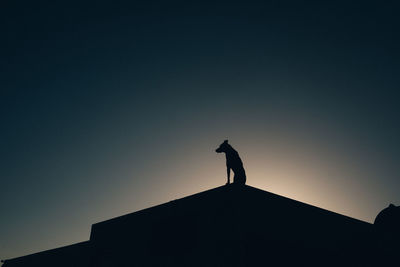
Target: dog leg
<point>228,172</point>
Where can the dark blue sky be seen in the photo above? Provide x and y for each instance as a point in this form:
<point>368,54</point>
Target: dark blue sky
<point>109,107</point>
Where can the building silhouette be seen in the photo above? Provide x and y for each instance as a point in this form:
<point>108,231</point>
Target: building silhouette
<point>233,225</point>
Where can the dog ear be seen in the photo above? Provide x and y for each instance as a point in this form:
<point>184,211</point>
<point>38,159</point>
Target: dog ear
<point>226,141</point>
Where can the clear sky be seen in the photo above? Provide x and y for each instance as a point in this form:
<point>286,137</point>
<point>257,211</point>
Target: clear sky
<point>107,108</point>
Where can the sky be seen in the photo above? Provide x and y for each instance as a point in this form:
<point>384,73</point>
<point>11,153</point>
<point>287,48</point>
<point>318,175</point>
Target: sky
<point>109,107</point>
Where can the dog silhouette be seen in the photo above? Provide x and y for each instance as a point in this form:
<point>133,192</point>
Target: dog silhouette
<point>233,162</point>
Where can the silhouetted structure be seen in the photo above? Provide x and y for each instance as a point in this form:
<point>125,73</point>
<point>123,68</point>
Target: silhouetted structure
<point>389,218</point>
<point>233,162</point>
<point>226,226</point>
<point>387,224</point>
<point>74,255</point>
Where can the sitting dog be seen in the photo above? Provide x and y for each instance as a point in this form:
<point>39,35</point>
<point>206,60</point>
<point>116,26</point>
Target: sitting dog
<point>233,162</point>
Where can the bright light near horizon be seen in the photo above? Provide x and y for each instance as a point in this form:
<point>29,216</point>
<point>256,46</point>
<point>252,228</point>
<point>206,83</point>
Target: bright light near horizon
<point>309,185</point>
<point>327,178</point>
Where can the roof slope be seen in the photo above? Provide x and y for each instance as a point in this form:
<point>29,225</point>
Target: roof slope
<point>225,226</point>
<point>232,225</point>
<point>62,256</point>
<point>245,199</point>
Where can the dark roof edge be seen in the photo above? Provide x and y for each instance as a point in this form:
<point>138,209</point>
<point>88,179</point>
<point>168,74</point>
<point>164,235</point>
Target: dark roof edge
<point>162,204</point>
<point>312,206</point>
<point>47,251</point>
<point>224,187</point>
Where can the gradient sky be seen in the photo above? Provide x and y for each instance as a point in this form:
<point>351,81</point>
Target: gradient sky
<point>107,108</point>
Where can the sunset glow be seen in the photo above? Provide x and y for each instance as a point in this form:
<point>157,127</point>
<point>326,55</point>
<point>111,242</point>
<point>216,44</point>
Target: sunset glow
<point>110,108</point>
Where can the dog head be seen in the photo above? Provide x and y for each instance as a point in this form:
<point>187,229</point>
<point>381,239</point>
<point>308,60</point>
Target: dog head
<point>223,147</point>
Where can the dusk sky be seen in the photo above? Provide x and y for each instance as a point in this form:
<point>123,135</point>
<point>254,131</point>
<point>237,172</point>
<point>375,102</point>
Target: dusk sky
<point>107,108</point>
